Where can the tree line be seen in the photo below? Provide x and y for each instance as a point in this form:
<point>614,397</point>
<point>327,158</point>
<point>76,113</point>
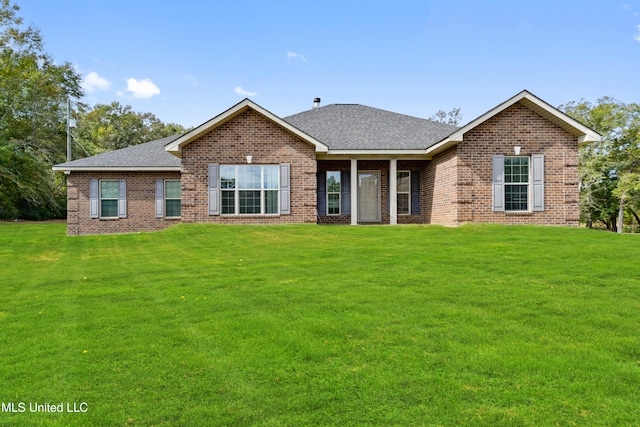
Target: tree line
<point>610,169</point>
<point>34,94</point>
<point>35,90</point>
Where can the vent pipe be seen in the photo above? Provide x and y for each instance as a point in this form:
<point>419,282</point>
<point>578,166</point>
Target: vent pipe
<point>316,102</point>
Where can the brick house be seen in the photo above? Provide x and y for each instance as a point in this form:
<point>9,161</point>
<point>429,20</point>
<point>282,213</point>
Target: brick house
<point>338,164</point>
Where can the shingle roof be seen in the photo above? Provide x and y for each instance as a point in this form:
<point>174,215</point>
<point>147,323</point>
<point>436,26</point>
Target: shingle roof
<point>358,127</point>
<point>338,126</point>
<point>147,155</point>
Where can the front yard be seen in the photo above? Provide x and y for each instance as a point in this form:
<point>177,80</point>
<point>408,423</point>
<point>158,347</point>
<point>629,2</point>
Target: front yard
<point>320,325</point>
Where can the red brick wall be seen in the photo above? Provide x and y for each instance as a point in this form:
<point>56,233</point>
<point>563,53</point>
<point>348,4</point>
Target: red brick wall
<point>518,125</point>
<point>439,185</point>
<point>249,133</point>
<point>141,211</point>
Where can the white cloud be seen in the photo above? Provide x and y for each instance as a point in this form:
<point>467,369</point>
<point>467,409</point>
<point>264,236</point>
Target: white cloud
<point>293,56</point>
<point>142,88</point>
<point>637,36</point>
<point>243,92</point>
<point>188,77</point>
<point>93,82</point>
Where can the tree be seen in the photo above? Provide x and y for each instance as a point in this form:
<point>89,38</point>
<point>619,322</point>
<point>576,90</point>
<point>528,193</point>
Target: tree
<point>113,126</point>
<point>34,91</point>
<point>33,95</point>
<point>453,117</point>
<point>609,169</point>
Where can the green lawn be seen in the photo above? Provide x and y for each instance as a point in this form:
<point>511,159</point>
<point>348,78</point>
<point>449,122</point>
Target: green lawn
<point>321,325</point>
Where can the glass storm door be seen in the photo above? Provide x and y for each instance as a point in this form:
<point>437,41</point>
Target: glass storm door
<point>369,196</point>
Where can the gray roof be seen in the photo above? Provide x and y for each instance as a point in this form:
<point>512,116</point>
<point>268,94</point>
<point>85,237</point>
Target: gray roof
<point>339,126</point>
<point>358,127</point>
<point>147,155</point>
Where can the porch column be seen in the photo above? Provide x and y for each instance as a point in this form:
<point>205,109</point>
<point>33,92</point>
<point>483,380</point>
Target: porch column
<point>393,191</point>
<point>354,191</point>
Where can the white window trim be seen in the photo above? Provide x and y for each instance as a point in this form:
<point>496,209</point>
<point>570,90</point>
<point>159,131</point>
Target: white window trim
<point>100,199</point>
<point>529,185</point>
<point>404,192</point>
<point>236,191</point>
<point>339,193</point>
<point>167,198</point>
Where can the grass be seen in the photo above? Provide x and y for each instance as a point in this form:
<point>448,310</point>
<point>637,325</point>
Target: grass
<point>319,325</point>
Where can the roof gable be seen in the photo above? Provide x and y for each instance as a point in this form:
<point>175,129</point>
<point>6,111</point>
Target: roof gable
<point>175,147</point>
<point>529,100</point>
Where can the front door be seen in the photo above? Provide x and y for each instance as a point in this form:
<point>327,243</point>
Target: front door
<point>369,196</point>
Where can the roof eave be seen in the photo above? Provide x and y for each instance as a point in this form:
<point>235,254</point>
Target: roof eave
<point>381,152</point>
<point>589,138</point>
<point>414,154</point>
<point>116,168</point>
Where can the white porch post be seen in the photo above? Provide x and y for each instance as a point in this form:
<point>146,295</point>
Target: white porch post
<point>354,191</point>
<point>393,191</point>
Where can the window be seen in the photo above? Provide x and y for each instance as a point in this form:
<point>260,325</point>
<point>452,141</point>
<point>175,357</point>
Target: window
<point>404,192</point>
<point>249,189</point>
<point>334,189</point>
<point>107,198</point>
<point>516,183</point>
<point>109,193</point>
<point>172,192</point>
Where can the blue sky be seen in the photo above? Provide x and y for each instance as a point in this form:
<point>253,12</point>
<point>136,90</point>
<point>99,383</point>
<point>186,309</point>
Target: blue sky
<point>187,61</point>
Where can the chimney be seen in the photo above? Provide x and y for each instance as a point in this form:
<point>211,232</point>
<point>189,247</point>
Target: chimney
<point>316,102</point>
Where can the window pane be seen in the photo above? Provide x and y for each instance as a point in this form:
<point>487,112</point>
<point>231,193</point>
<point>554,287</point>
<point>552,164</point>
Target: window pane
<point>253,188</point>
<point>271,202</point>
<point>404,182</point>
<point>403,204</point>
<point>109,189</point>
<point>271,177</point>
<point>172,189</point>
<point>249,202</point>
<point>173,208</point>
<point>516,170</point>
<point>333,182</point>
<point>516,197</point>
<point>109,208</point>
<point>249,177</point>
<point>333,204</point>
<point>228,202</point>
<point>227,176</point>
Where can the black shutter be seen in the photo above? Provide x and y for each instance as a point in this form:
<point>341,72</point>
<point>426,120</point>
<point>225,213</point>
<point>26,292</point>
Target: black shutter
<point>415,192</point>
<point>345,178</point>
<point>322,192</point>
